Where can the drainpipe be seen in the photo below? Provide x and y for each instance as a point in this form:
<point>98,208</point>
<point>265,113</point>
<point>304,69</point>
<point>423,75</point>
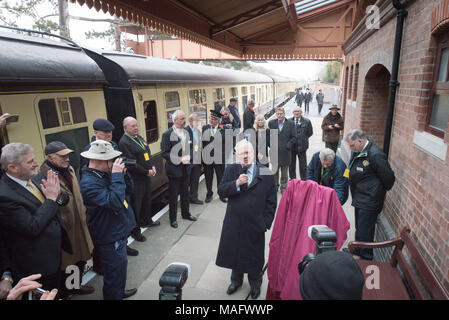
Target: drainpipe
<point>401,14</point>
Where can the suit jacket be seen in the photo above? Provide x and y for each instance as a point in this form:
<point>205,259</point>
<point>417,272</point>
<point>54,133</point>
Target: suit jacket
<point>33,231</point>
<point>286,140</point>
<point>174,167</point>
<point>304,131</point>
<point>132,150</point>
<point>220,134</point>
<point>5,261</point>
<point>195,149</point>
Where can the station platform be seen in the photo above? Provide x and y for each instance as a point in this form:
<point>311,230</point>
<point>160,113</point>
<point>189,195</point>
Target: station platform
<point>196,243</point>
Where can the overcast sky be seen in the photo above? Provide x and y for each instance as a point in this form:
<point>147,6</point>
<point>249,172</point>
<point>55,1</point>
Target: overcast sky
<point>307,70</point>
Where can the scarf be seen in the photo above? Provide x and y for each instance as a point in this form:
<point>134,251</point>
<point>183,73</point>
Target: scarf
<point>64,172</point>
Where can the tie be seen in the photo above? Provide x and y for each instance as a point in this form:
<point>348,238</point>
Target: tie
<point>296,121</point>
<point>35,191</point>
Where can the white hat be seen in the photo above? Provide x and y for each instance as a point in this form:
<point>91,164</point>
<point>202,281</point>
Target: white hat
<point>101,150</point>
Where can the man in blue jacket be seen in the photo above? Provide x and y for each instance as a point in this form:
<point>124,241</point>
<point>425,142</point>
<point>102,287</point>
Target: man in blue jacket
<point>328,170</point>
<point>110,218</point>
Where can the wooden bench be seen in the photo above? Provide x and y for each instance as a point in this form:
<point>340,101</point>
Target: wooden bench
<point>393,286</point>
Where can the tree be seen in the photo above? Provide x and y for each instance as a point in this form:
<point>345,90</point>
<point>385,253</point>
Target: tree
<point>332,72</point>
<point>46,22</point>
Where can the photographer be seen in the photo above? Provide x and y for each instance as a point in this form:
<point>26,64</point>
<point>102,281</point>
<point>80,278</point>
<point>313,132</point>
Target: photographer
<point>133,146</point>
<point>332,275</point>
<point>110,217</point>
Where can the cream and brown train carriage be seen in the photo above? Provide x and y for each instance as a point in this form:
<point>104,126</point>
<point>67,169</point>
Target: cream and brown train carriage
<point>151,89</point>
<point>58,89</point>
<point>54,87</point>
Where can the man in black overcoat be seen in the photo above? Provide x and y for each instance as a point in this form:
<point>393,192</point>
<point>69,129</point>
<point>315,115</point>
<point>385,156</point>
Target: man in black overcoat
<point>195,145</point>
<point>285,143</point>
<point>249,214</point>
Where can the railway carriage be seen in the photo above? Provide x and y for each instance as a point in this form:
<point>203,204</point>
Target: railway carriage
<point>59,89</point>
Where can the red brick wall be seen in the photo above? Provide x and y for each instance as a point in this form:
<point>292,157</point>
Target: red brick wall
<point>420,196</point>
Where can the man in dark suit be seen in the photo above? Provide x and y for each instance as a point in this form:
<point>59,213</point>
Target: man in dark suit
<point>299,97</point>
<point>286,140</point>
<point>133,146</point>
<point>304,130</point>
<point>307,99</point>
<point>6,280</point>
<point>29,217</point>
<point>249,214</point>
<point>249,116</point>
<point>176,150</point>
<point>213,142</point>
<point>195,173</point>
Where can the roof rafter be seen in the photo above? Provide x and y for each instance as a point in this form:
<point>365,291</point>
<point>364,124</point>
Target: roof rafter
<point>246,17</point>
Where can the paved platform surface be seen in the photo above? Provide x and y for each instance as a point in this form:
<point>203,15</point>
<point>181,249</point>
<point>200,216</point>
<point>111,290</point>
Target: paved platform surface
<point>196,243</point>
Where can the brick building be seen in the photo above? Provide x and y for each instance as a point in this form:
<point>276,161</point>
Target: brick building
<point>420,133</point>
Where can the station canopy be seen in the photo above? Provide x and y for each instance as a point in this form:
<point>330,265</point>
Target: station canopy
<point>249,29</point>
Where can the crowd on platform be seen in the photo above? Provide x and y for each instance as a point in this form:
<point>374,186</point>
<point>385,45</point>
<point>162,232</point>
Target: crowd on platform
<point>51,220</point>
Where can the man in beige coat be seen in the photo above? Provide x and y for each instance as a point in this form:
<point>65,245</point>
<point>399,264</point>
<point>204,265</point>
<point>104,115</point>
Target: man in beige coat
<point>73,216</point>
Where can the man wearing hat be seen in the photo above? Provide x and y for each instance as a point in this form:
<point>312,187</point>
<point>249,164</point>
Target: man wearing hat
<point>103,131</point>
<point>213,152</point>
<point>73,215</point>
<point>332,275</point>
<point>236,123</point>
<point>110,217</point>
<point>135,147</point>
<point>332,124</point>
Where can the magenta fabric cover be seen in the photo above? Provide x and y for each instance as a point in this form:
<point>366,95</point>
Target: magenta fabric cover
<point>304,203</point>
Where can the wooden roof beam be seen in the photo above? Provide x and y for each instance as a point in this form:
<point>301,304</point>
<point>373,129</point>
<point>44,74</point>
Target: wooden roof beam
<point>292,17</point>
<point>246,17</point>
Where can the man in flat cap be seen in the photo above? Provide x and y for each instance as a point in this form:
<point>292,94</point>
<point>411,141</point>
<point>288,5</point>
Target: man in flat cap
<point>213,152</point>
<point>73,216</point>
<point>102,130</point>
<point>110,217</point>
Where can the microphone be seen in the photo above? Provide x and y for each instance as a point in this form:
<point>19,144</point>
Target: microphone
<point>244,186</point>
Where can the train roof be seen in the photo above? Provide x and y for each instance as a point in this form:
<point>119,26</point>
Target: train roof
<point>142,69</point>
<point>27,59</point>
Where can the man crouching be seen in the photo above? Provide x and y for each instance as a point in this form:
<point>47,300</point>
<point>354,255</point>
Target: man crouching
<point>252,200</point>
<point>110,217</point>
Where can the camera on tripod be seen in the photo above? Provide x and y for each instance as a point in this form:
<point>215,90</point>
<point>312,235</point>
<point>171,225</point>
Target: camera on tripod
<point>325,239</point>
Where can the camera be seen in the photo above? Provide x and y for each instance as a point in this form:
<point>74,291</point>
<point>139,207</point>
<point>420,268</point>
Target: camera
<point>35,294</point>
<point>172,281</point>
<point>325,239</point>
<point>128,162</point>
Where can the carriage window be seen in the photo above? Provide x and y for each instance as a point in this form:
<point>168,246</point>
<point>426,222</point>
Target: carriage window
<point>252,91</point>
<point>49,115</point>
<point>219,97</point>
<point>233,92</point>
<point>244,90</point>
<point>197,104</point>
<point>150,114</point>
<point>64,109</point>
<point>172,99</point>
<point>78,113</point>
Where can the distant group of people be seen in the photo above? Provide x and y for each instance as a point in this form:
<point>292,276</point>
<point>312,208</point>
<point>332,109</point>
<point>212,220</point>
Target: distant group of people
<point>49,221</point>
